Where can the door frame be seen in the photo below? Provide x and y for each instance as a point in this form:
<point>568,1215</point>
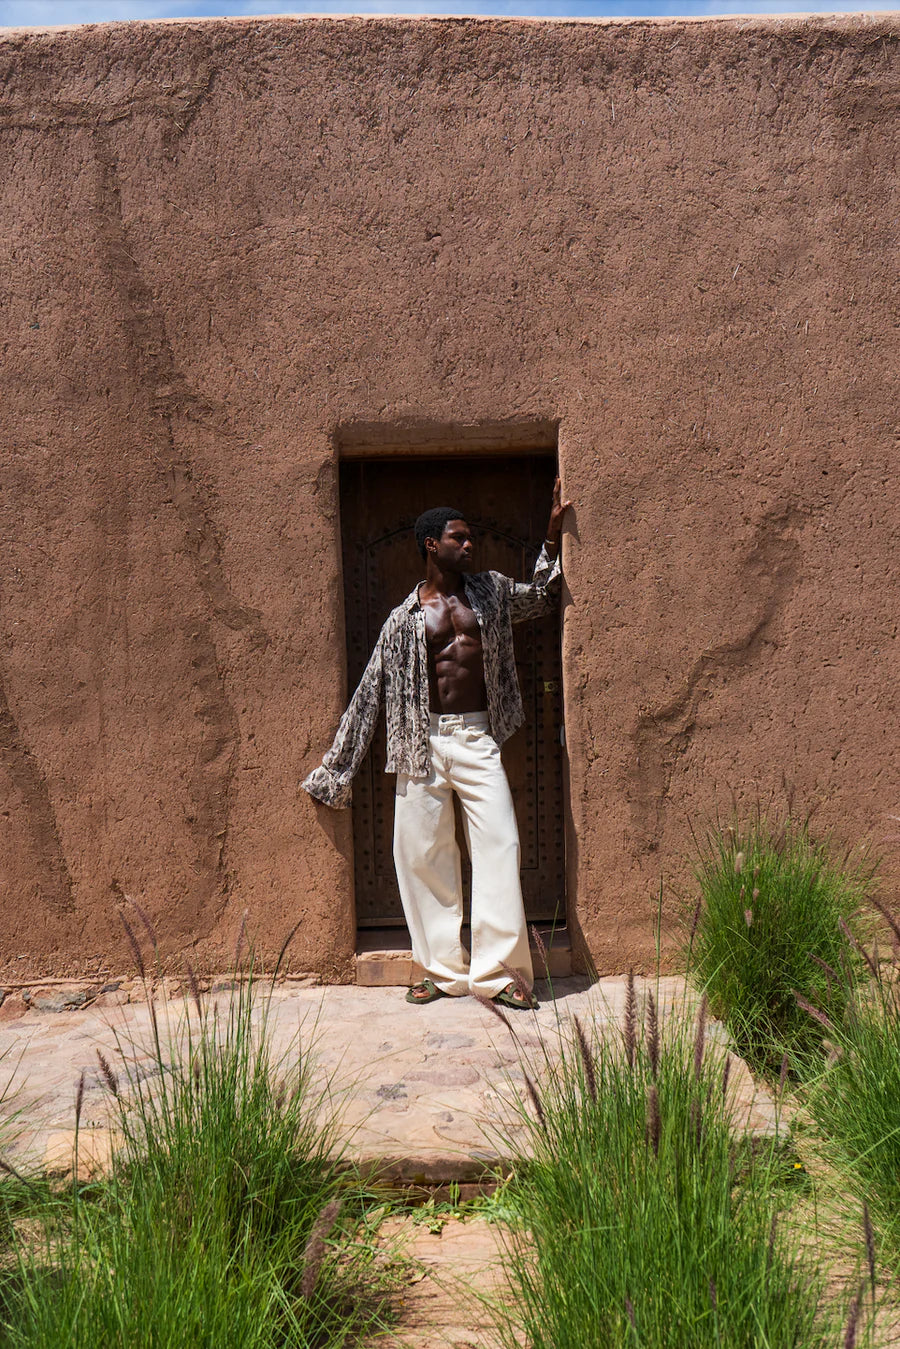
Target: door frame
<point>421,439</point>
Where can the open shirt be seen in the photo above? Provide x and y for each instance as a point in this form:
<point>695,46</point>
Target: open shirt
<point>397,672</point>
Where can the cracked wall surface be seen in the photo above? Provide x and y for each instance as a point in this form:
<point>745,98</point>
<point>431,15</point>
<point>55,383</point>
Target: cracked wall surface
<point>227,243</point>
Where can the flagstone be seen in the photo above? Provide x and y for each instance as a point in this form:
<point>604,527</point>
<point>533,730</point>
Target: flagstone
<point>421,1090</point>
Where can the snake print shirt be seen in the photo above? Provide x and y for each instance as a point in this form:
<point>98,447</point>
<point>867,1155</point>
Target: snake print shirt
<point>397,672</point>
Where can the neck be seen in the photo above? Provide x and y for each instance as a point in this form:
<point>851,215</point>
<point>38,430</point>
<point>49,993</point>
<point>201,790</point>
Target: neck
<point>441,582</point>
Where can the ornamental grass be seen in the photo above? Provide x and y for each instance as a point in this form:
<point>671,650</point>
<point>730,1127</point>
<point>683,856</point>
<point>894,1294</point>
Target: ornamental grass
<point>636,1215</point>
<point>770,920</point>
<point>227,1217</point>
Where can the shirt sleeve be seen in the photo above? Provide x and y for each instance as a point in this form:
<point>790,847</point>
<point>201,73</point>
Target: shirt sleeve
<point>530,599</point>
<point>331,781</point>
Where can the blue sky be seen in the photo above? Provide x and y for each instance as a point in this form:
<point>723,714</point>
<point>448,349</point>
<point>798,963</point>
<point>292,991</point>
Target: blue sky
<point>39,12</point>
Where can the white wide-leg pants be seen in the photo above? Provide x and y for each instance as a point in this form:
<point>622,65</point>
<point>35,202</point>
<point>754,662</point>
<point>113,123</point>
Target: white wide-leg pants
<point>465,759</point>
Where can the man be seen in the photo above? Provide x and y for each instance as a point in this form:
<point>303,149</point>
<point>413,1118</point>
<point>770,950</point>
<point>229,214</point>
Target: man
<point>445,666</point>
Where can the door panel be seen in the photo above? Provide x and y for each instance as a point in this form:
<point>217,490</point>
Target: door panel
<point>506,501</point>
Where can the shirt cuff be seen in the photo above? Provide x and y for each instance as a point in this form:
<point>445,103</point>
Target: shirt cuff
<point>547,568</point>
<point>327,787</point>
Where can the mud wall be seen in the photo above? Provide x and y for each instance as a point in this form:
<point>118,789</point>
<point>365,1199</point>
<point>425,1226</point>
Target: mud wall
<point>227,243</point>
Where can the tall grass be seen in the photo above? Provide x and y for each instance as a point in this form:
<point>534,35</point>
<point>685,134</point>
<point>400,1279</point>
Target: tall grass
<point>636,1217</point>
<point>856,1098</point>
<point>226,1218</point>
<point>768,923</point>
<point>13,1185</point>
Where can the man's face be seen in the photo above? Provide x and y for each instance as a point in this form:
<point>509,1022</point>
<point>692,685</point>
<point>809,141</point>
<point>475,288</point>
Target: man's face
<point>454,551</point>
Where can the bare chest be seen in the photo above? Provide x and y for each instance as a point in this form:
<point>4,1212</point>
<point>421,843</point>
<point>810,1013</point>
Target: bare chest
<point>450,620</point>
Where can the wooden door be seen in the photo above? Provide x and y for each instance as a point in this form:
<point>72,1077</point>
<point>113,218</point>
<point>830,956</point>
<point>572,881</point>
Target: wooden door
<point>506,501</point>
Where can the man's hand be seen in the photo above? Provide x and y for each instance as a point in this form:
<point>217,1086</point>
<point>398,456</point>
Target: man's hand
<point>557,511</point>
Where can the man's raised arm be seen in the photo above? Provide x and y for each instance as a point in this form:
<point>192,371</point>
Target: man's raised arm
<point>539,595</point>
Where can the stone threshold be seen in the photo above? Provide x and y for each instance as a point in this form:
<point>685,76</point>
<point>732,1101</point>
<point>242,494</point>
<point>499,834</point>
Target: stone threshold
<point>384,958</point>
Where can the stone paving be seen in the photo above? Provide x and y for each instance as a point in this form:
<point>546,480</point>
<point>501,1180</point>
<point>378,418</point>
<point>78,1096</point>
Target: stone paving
<point>455,1277</point>
<point>419,1089</point>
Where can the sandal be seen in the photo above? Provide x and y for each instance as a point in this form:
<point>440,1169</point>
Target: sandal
<point>431,990</point>
<point>509,997</point>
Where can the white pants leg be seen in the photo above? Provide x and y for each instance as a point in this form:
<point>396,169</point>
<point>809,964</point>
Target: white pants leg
<point>465,759</point>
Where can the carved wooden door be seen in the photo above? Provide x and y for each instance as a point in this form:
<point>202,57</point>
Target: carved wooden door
<point>506,500</point>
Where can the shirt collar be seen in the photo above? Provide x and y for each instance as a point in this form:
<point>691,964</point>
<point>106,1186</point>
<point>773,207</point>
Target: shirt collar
<point>411,603</point>
<point>412,600</point>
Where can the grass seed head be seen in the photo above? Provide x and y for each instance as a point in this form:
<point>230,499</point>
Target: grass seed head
<point>783,1073</point>
<point>79,1098</point>
<point>316,1246</point>
<point>109,1076</point>
<point>10,1170</point>
<point>653,1035</point>
<point>726,1073</point>
<point>490,1006</point>
<point>831,974</point>
<point>845,967</point>
<point>518,982</point>
<point>654,1124</point>
<point>145,920</point>
<point>535,1100</point>
<point>135,947</point>
<point>738,863</point>
<point>630,1019</point>
<point>629,1312</point>
<point>284,946</point>
<point>888,918</point>
<point>852,1322</point>
<point>869,1234</point>
<point>540,948</point>
<point>857,946</point>
<point>154,1019</point>
<point>587,1060</point>
<point>748,917</point>
<point>811,1011</point>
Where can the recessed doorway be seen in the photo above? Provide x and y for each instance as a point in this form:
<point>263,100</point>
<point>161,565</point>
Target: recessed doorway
<point>506,499</point>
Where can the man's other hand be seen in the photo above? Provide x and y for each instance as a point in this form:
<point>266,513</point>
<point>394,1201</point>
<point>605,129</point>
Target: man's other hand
<point>557,511</point>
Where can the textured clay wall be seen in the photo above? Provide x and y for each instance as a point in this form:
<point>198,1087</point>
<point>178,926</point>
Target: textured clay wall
<point>223,241</point>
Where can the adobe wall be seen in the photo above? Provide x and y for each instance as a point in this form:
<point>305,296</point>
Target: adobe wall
<point>224,240</point>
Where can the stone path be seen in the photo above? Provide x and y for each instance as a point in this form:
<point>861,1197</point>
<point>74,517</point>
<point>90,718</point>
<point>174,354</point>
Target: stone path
<point>420,1089</point>
<point>454,1275</point>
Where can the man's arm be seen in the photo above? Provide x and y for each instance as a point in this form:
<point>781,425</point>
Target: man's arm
<point>541,594</point>
<point>331,781</point>
<point>558,510</point>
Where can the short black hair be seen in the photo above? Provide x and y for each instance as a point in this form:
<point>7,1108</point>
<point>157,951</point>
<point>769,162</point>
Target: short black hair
<point>431,524</point>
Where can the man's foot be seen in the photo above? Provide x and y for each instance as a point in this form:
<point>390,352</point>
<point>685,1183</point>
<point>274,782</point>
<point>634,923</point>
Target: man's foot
<point>514,997</point>
<point>424,992</point>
